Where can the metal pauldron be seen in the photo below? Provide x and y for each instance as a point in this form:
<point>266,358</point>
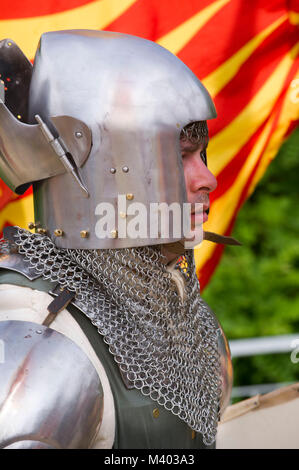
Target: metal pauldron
<point>50,393</point>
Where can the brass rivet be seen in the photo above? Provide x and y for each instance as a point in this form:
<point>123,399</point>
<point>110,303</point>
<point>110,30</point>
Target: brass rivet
<point>41,231</point>
<point>19,116</point>
<point>114,233</point>
<point>123,215</point>
<point>78,134</point>
<point>58,232</point>
<point>125,169</point>
<point>33,225</point>
<point>193,434</point>
<point>130,196</point>
<point>113,170</point>
<point>84,234</point>
<point>9,44</point>
<point>156,412</point>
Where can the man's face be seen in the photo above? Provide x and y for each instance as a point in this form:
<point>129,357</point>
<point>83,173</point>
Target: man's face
<point>198,178</point>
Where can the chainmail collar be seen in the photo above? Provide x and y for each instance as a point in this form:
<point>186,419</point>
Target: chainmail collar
<point>196,132</point>
<point>166,348</point>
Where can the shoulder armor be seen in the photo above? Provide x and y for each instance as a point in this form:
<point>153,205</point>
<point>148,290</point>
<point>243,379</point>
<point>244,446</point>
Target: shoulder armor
<point>12,260</point>
<point>15,262</point>
<point>50,393</point>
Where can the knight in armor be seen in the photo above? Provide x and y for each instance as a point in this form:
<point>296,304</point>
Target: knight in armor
<point>107,341</point>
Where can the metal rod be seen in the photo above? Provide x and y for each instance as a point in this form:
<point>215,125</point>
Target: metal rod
<point>264,345</point>
<point>60,151</point>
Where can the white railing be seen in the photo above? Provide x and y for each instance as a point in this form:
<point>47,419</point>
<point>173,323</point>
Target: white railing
<point>263,345</point>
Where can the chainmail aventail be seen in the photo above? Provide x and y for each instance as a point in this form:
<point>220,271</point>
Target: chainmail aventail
<point>167,348</point>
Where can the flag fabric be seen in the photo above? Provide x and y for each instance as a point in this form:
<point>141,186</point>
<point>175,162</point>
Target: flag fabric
<point>244,51</point>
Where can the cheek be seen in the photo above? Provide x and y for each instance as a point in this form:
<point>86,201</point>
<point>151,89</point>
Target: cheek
<point>188,176</point>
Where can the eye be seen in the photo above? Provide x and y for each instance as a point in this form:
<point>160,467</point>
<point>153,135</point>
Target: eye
<point>203,156</point>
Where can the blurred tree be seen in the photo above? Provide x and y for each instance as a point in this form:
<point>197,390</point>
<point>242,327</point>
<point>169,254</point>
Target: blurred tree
<point>254,291</point>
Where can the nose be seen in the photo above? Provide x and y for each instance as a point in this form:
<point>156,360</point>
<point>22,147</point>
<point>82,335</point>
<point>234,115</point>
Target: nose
<point>200,177</point>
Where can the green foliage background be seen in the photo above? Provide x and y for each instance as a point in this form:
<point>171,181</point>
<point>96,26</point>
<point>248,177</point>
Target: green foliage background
<point>254,291</point>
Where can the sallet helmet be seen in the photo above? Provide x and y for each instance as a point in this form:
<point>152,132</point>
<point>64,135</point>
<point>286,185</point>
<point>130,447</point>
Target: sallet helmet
<point>105,113</point>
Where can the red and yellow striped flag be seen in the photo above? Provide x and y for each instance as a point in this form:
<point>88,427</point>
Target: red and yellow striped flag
<point>244,51</point>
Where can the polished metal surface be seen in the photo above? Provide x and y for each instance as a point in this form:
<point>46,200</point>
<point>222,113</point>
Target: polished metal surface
<point>28,445</point>
<point>50,392</point>
<point>79,147</point>
<point>136,97</point>
<point>226,371</point>
<point>15,72</point>
<point>2,90</point>
<point>62,152</point>
<point>15,262</point>
<point>25,154</point>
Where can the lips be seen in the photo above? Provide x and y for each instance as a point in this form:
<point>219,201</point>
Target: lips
<point>205,209</point>
<point>204,214</point>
